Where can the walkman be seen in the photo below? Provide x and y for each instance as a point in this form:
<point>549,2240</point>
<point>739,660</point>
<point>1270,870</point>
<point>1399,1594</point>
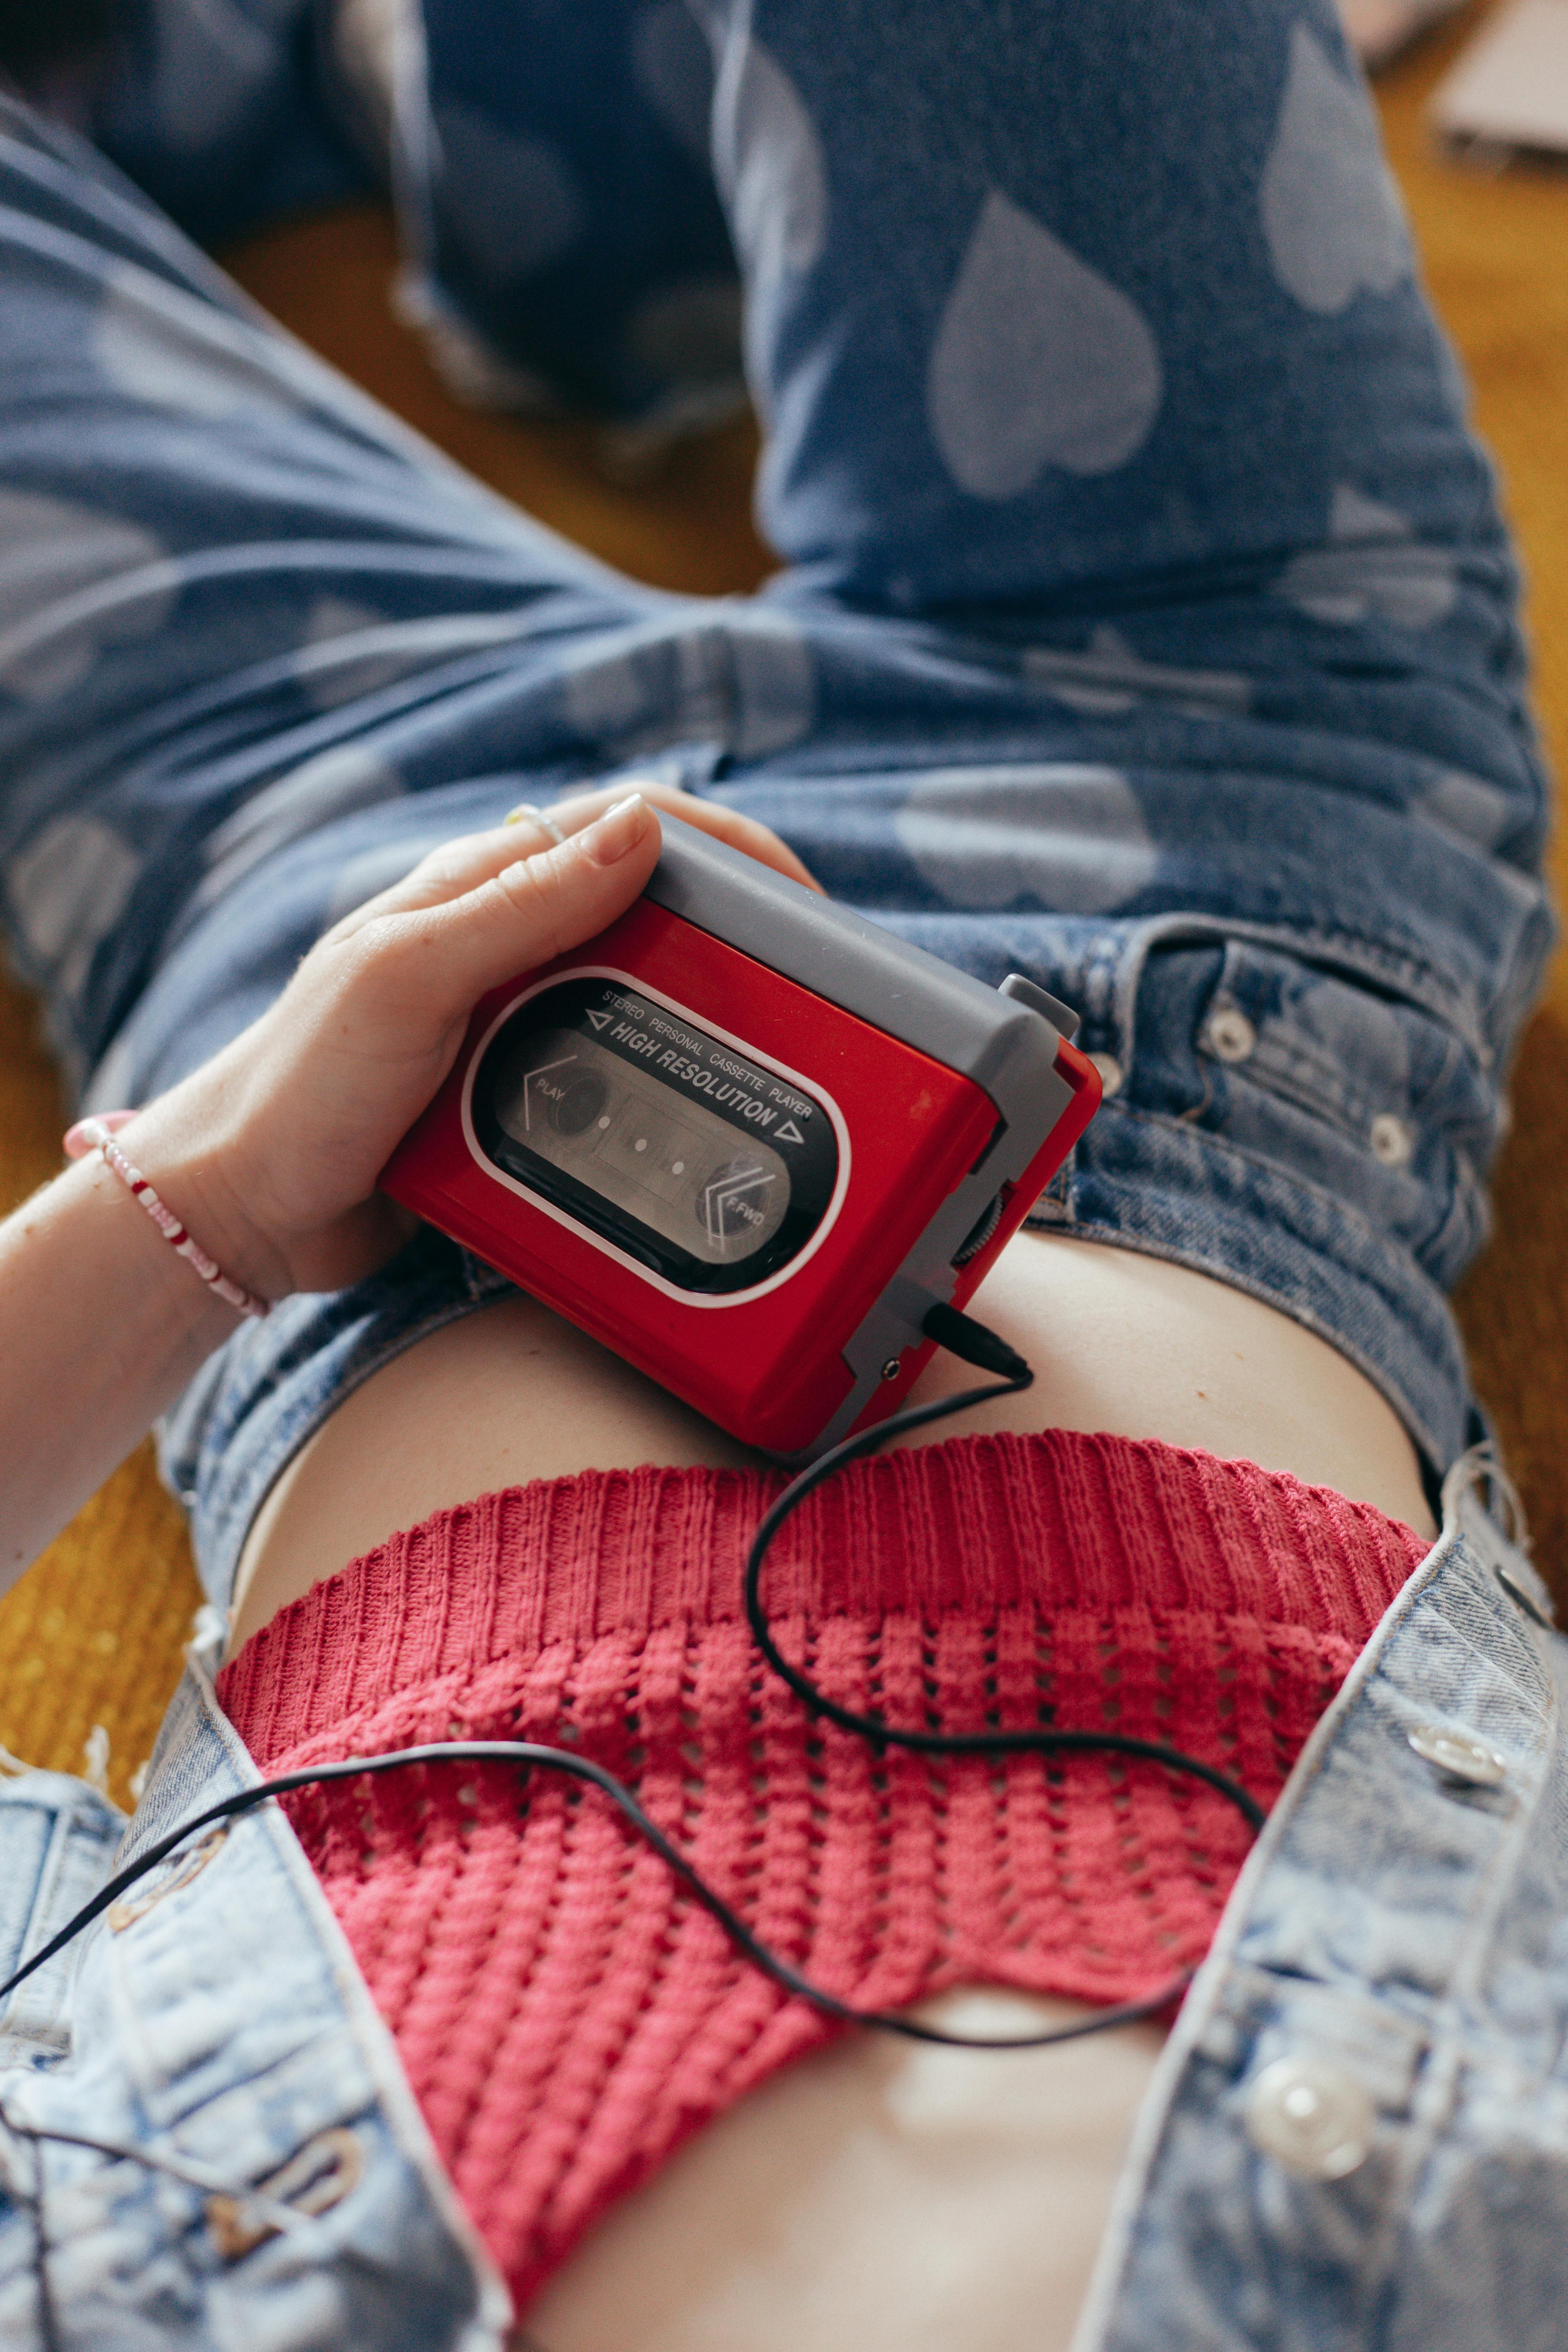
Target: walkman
<point>750,1140</point>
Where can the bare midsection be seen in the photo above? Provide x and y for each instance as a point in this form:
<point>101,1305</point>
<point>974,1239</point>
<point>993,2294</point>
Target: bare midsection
<point>1119,1343</point>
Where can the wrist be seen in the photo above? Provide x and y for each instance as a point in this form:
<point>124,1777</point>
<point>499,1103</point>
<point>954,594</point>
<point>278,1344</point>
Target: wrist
<point>179,1320</point>
<point>182,1145</point>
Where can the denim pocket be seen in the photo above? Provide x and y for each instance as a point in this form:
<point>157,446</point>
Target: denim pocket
<point>1355,1090</point>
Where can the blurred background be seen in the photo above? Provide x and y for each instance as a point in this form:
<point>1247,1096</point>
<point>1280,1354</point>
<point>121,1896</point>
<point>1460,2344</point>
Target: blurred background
<point>1470,97</point>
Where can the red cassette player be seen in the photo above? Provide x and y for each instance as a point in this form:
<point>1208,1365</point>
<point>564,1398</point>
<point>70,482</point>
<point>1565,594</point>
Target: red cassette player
<point>748,1140</point>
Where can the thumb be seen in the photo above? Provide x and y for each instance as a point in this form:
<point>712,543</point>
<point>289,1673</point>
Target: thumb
<point>538,907</point>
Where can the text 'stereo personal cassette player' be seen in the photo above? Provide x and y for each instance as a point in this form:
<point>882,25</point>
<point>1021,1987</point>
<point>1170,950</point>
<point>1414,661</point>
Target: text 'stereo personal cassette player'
<point>748,1140</point>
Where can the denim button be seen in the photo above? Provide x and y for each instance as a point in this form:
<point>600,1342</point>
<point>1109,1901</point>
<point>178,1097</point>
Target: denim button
<point>1312,2117</point>
<point>1459,1755</point>
<point>1230,1035</point>
<point>1111,1072</point>
<point>1392,1142</point>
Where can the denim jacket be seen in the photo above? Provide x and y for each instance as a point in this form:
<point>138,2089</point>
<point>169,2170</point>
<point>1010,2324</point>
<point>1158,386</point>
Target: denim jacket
<point>1358,2134</point>
<point>206,2136</point>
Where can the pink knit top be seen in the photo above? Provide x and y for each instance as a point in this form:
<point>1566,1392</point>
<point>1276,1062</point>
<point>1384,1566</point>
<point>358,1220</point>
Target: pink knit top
<point>566,2014</point>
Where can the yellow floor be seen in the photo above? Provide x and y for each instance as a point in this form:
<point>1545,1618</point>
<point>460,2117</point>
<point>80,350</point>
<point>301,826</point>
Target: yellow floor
<point>91,1635</point>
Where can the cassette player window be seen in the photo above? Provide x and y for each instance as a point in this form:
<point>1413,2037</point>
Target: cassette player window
<point>692,1160</point>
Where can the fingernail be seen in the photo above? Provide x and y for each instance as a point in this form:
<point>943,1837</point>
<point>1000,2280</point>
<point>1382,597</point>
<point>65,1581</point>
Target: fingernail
<point>620,830</point>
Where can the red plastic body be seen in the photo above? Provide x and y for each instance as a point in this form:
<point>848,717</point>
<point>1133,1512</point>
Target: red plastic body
<point>766,1366</point>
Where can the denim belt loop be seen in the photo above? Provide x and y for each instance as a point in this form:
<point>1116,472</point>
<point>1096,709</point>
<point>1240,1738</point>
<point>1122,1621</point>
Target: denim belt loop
<point>1480,1499</point>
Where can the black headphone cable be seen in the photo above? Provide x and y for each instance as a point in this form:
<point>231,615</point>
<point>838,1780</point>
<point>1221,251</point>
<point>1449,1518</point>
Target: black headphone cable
<point>974,1344</point>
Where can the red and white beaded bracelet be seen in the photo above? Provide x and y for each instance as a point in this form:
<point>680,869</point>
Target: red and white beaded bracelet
<point>97,1135</point>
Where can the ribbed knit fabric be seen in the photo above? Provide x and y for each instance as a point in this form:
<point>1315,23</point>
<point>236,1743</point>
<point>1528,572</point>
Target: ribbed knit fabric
<point>566,2013</point>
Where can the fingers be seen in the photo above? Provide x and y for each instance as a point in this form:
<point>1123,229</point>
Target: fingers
<point>470,859</point>
<point>727,824</point>
<point>521,913</point>
<point>457,867</point>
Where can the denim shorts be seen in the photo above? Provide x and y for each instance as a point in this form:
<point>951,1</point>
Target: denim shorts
<point>1146,623</point>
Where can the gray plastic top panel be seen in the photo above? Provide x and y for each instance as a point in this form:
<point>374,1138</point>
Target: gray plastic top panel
<point>998,1042</point>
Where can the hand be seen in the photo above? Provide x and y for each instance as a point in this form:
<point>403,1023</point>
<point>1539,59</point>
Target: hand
<point>270,1152</point>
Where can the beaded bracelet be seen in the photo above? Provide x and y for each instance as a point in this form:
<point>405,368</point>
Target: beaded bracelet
<point>97,1135</point>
